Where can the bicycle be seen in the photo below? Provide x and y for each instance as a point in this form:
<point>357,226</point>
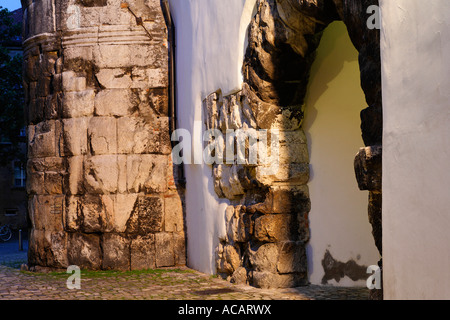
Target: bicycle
<point>5,233</point>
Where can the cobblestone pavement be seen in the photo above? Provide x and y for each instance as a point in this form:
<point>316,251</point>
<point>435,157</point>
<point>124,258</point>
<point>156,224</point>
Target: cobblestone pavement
<point>164,284</point>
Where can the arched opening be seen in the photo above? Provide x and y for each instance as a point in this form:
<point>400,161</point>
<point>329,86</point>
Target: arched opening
<point>341,245</point>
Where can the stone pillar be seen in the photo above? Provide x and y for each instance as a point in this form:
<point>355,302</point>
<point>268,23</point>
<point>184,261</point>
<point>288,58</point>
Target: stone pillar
<point>102,193</point>
<point>267,223</point>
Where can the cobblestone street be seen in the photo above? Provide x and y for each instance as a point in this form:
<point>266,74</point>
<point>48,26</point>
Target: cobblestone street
<point>161,284</point>
<point>170,284</point>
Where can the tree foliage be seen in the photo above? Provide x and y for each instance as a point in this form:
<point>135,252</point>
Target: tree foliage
<point>11,90</point>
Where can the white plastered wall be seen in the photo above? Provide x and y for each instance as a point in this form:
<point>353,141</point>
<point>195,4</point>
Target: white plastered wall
<point>339,218</point>
<point>210,48</point>
<point>415,46</point>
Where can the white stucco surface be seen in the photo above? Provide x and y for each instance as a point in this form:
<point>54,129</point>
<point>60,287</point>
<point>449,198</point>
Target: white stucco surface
<point>210,45</point>
<point>415,46</point>
<point>338,219</point>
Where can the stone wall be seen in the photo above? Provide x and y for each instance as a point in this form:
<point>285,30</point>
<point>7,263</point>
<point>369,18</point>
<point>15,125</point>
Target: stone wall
<point>103,192</point>
<point>267,225</point>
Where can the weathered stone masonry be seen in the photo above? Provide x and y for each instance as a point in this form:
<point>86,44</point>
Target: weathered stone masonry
<point>267,224</point>
<point>103,192</point>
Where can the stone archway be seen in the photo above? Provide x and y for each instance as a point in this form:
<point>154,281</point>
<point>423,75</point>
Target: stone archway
<point>268,221</point>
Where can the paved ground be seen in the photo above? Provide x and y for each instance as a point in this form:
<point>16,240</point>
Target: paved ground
<point>163,284</point>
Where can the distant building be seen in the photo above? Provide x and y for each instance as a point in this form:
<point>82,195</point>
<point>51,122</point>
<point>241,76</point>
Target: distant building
<point>13,199</point>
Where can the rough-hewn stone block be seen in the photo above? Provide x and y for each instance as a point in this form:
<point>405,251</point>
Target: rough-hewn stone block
<point>292,257</point>
<point>143,253</point>
<point>113,103</point>
<point>179,248</point>
<point>35,182</point>
<point>73,217</point>
<point>286,173</point>
<point>230,259</point>
<point>267,280</point>
<point>84,250</point>
<point>137,136</point>
<point>47,212</point>
<point>147,216</point>
<point>165,256</point>
<point>147,173</point>
<point>275,228</point>
<point>132,78</point>
<point>74,179</point>
<point>101,174</point>
<point>124,206</point>
<point>48,248</point>
<point>293,147</point>
<point>75,136</point>
<point>368,168</point>
<point>53,183</point>
<point>264,258</point>
<point>78,104</point>
<point>116,252</point>
<point>173,213</point>
<point>72,83</point>
<point>97,212</point>
<point>102,135</point>
<point>41,140</point>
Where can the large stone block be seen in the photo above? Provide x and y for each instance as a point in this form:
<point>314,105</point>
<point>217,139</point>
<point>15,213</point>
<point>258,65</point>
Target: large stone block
<point>102,135</point>
<point>113,103</point>
<point>147,216</point>
<point>295,173</point>
<point>101,174</point>
<point>173,213</point>
<point>284,199</point>
<point>90,213</point>
<point>73,217</point>
<point>75,136</point>
<point>133,78</point>
<point>143,252</point>
<point>35,182</point>
<point>74,179</point>
<point>125,205</point>
<point>227,181</point>
<point>84,250</point>
<point>53,183</point>
<point>53,106</point>
<point>55,164</point>
<point>78,104</point>
<point>292,258</point>
<point>275,228</point>
<point>116,252</point>
<point>42,140</point>
<point>137,136</point>
<point>129,55</point>
<point>293,147</point>
<point>98,213</point>
<point>48,248</point>
<point>147,173</point>
<point>267,280</point>
<point>165,256</point>
<point>47,212</point>
<point>238,224</point>
<point>368,168</point>
<point>179,248</point>
<point>71,82</point>
<point>229,259</point>
<point>264,258</point>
